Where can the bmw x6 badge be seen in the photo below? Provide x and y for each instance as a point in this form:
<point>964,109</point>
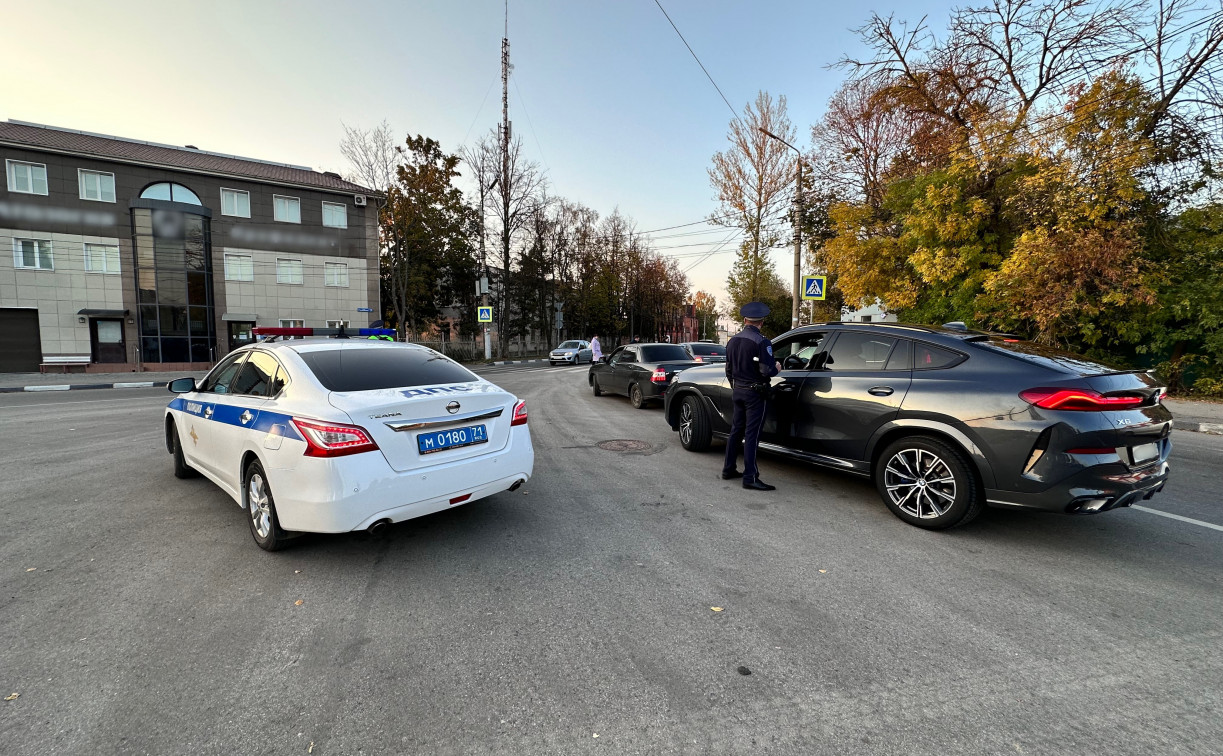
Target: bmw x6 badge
<point>452,408</point>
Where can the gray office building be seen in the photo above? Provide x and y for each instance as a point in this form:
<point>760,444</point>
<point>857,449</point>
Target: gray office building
<point>130,255</point>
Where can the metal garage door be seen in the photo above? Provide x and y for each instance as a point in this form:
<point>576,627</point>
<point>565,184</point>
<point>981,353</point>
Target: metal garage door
<point>20,347</point>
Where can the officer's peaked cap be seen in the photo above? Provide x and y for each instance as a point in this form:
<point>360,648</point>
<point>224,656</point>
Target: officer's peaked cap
<point>755,310</point>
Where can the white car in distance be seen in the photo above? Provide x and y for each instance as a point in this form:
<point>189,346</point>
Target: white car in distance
<point>339,435</point>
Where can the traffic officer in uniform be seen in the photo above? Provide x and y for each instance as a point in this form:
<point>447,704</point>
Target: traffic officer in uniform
<point>749,366</point>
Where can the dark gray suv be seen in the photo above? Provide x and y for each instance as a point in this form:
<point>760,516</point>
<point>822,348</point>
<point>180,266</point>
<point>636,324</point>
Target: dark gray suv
<point>947,420</point>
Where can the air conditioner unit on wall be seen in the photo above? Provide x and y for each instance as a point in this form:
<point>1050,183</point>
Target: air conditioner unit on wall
<point>358,200</point>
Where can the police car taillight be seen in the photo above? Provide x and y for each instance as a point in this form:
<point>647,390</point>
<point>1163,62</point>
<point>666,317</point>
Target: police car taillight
<point>659,376</point>
<point>520,414</point>
<point>333,439</point>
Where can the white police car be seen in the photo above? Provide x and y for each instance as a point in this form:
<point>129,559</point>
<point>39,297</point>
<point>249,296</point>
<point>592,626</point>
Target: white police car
<point>338,435</point>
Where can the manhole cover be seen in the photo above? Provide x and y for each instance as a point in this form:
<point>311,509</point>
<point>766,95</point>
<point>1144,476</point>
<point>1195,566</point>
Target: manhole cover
<point>623,445</point>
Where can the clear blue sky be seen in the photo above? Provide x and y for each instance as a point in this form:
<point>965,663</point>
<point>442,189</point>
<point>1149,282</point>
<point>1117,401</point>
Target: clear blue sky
<point>604,94</point>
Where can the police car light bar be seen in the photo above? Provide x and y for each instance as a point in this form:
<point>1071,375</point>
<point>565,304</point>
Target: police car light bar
<point>338,333</point>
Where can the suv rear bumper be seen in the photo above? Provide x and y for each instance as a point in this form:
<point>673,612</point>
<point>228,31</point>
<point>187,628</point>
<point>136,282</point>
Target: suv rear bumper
<point>1096,489</point>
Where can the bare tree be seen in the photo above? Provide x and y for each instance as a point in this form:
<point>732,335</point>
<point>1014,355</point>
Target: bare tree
<point>856,143</point>
<point>999,62</point>
<point>374,155</point>
<point>752,176</point>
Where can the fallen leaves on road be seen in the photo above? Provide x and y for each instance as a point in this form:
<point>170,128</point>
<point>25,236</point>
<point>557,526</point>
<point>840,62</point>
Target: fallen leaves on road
<point>12,697</point>
<point>299,602</point>
<point>716,608</point>
<point>823,571</point>
<point>297,572</point>
<point>744,671</point>
<point>311,748</point>
<point>30,569</point>
<point>596,734</point>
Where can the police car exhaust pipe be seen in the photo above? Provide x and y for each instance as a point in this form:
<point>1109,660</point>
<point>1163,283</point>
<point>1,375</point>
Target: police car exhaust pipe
<point>517,484</point>
<point>378,527</point>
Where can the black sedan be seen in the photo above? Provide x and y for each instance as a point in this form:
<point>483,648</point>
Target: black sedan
<point>947,421</point>
<point>642,372</point>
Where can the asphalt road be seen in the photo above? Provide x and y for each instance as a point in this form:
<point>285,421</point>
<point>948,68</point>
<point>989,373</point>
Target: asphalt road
<point>137,615</point>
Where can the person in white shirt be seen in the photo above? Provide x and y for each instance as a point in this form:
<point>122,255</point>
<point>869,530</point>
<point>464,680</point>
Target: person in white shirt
<point>595,349</point>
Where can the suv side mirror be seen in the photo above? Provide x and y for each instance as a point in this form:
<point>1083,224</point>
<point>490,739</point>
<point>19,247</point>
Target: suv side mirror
<point>181,385</point>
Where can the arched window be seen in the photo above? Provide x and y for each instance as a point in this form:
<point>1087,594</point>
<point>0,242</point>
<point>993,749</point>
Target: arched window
<point>170,193</point>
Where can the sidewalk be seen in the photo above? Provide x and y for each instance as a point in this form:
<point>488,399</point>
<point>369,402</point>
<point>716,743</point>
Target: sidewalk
<point>1196,415</point>
<point>14,382</point>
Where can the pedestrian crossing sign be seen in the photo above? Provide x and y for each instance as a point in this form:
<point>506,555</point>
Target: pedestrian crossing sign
<point>815,287</point>
<point>486,314</point>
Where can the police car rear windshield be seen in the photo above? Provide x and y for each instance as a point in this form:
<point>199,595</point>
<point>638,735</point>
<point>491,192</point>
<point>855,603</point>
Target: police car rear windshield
<point>373,369</point>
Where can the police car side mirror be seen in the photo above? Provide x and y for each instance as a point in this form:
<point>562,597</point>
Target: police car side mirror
<point>181,385</point>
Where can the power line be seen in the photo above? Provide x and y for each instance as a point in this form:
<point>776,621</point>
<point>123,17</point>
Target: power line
<point>488,91</point>
<point>523,101</point>
<point>698,60</point>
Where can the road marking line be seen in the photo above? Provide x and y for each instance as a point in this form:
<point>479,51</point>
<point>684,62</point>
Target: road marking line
<point>138,384</point>
<point>1210,525</point>
<point>62,387</point>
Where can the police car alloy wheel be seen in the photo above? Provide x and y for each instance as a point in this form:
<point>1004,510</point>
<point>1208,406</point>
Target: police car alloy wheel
<point>261,510</point>
<point>927,483</point>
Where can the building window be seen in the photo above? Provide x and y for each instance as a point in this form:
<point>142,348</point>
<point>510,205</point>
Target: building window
<point>101,258</point>
<point>173,266</point>
<point>239,267</point>
<point>335,215</point>
<point>96,185</point>
<point>337,323</point>
<point>235,202</point>
<point>289,271</point>
<point>26,178</point>
<point>32,253</point>
<point>287,209</point>
<point>335,274</point>
<point>170,193</point>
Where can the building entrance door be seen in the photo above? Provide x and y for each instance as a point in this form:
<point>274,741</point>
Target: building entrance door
<point>106,341</point>
<point>240,333</point>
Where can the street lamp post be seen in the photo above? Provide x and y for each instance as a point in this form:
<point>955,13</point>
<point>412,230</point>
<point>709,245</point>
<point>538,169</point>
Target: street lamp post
<point>798,225</point>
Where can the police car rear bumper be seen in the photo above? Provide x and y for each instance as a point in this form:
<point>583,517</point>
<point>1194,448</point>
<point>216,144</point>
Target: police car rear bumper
<point>351,493</point>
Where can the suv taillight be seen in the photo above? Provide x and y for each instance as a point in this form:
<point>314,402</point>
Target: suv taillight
<point>520,414</point>
<point>333,439</point>
<point>1078,400</point>
<point>659,376</point>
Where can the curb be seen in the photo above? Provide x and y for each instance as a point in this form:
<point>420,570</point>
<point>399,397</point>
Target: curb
<point>1215,429</point>
<point>84,386</point>
<point>514,362</point>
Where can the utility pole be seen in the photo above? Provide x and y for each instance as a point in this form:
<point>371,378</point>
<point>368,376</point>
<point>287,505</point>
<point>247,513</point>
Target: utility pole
<point>506,183</point>
<point>798,241</point>
<point>798,227</point>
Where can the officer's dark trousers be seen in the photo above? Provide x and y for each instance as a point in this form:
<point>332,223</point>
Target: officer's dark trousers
<point>745,425</point>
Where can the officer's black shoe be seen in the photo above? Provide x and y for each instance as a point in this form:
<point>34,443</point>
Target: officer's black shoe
<point>758,485</point>
<point>731,475</point>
